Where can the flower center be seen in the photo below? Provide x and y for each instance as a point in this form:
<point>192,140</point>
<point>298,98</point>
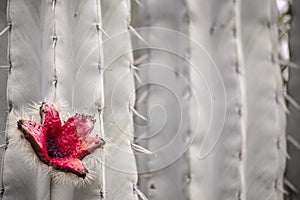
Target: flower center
<point>52,150</point>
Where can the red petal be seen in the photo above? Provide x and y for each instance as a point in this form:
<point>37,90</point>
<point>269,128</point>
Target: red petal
<point>35,133</point>
<point>67,142</point>
<point>89,145</point>
<point>50,119</point>
<point>74,133</point>
<point>72,165</point>
<point>84,124</point>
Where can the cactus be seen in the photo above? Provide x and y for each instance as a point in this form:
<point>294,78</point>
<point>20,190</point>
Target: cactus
<point>119,92</point>
<point>266,132</point>
<point>293,164</point>
<point>3,83</point>
<point>221,164</point>
<point>163,174</point>
<point>79,54</point>
<point>24,85</point>
<point>228,160</point>
<point>251,51</point>
<point>252,141</point>
<point>56,53</point>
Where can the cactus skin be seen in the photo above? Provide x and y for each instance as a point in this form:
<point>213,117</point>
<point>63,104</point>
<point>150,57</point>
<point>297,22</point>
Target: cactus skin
<point>168,91</point>
<point>121,173</point>
<point>51,44</point>
<point>24,86</point>
<point>221,167</point>
<point>293,164</point>
<point>246,163</point>
<point>266,141</point>
<point>45,61</point>
<point>3,84</point>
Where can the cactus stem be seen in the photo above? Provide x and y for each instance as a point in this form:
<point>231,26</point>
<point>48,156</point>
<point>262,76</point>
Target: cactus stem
<point>140,149</point>
<point>102,99</point>
<point>139,193</point>
<point>240,65</point>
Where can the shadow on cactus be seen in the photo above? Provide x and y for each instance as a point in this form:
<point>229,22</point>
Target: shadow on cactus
<point>62,146</point>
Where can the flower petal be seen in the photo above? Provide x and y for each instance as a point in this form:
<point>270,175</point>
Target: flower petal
<point>84,124</point>
<point>67,141</point>
<point>71,141</point>
<point>35,133</point>
<point>72,165</point>
<point>50,118</point>
<point>89,145</point>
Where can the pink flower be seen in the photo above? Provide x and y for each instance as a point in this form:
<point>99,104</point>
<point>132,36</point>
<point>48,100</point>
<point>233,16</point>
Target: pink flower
<point>61,146</point>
